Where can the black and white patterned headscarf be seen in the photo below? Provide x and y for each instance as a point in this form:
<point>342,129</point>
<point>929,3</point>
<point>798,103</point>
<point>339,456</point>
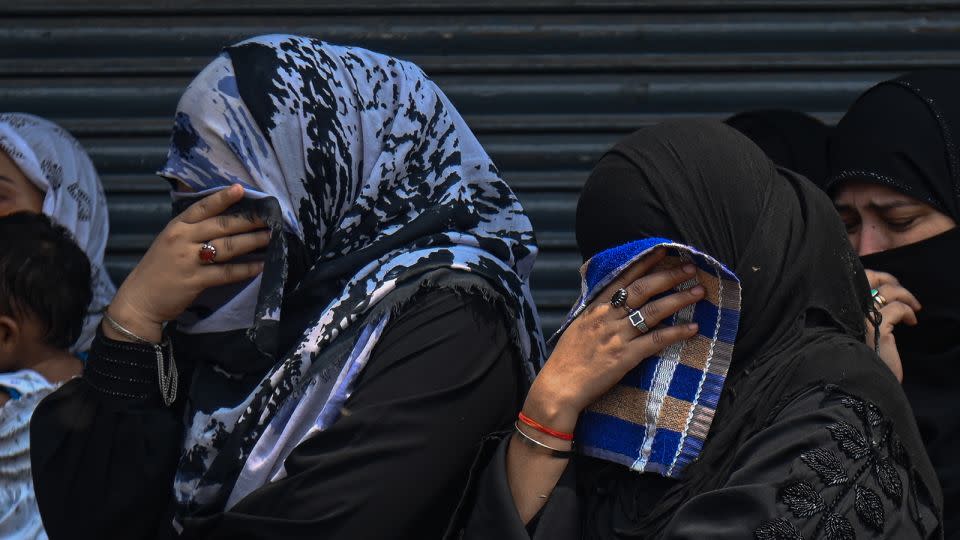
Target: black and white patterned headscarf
<point>73,197</point>
<point>373,170</point>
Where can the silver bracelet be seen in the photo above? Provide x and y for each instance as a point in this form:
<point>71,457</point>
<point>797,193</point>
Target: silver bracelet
<point>166,376</point>
<point>549,450</point>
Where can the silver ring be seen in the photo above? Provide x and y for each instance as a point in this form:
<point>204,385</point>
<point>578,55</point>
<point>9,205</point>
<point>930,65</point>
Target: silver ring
<point>637,321</point>
<point>619,298</point>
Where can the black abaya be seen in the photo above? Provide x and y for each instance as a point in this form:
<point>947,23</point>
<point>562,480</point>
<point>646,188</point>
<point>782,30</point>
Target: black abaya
<point>444,373</point>
<point>813,436</point>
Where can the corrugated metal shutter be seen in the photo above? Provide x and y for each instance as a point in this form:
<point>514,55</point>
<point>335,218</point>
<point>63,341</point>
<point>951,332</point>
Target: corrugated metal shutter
<point>546,84</point>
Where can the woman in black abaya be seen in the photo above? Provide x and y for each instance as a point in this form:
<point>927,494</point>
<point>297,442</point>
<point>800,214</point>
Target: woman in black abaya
<point>895,178</point>
<point>812,437</point>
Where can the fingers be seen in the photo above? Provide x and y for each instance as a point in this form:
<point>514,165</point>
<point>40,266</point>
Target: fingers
<point>225,274</point>
<point>212,205</point>
<point>639,269</point>
<point>230,247</point>
<point>895,293</point>
<point>878,279</point>
<point>655,341</point>
<point>663,308</point>
<point>223,226</point>
<point>648,286</point>
<point>896,313</point>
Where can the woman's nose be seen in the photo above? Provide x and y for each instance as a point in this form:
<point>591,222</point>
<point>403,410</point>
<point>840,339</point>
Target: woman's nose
<point>870,240</point>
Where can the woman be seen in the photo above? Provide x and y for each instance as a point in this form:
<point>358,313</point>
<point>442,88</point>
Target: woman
<point>44,169</point>
<point>350,318</point>
<point>812,436</point>
<point>791,139</point>
<point>895,179</point>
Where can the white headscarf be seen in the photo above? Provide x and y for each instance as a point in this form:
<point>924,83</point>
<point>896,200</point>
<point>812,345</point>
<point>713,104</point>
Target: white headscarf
<point>73,197</point>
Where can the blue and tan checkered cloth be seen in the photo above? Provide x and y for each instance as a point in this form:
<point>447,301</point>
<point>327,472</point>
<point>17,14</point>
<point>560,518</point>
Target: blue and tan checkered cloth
<point>657,418</point>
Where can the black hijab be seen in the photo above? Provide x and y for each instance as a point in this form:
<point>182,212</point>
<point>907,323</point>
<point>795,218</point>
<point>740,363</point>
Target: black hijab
<point>804,292</point>
<point>900,134</point>
<point>706,185</point>
<point>792,139</point>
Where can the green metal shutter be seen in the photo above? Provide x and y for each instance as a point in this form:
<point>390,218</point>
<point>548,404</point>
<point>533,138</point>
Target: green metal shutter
<point>547,85</point>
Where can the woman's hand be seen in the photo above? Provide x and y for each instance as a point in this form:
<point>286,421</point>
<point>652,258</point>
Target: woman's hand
<point>900,308</point>
<point>601,345</point>
<point>171,274</point>
<point>594,353</point>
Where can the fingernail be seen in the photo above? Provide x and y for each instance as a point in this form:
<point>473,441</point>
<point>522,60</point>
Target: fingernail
<point>693,327</point>
<point>698,290</point>
<point>689,268</point>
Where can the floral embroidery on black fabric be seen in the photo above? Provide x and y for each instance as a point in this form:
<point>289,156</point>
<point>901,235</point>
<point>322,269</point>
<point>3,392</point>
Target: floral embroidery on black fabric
<point>867,411</point>
<point>827,465</point>
<point>869,507</point>
<point>871,450</point>
<point>802,499</point>
<point>851,441</point>
<point>898,452</point>
<point>777,529</point>
<point>889,479</point>
<point>838,527</point>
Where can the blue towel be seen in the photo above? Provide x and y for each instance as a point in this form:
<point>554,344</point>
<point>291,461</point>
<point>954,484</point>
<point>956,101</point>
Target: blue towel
<point>657,418</point>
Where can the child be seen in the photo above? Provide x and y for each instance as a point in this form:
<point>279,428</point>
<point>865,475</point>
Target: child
<point>45,288</point>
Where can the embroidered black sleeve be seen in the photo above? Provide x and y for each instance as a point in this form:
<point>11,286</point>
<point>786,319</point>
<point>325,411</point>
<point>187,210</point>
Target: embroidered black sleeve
<point>867,452</point>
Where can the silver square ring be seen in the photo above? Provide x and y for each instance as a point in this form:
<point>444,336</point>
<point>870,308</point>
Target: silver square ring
<point>638,322</point>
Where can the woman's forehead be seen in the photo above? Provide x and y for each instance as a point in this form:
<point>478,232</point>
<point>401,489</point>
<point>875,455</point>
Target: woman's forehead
<point>869,194</point>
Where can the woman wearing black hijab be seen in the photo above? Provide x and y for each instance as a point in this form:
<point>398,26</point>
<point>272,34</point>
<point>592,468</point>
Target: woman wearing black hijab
<point>791,139</point>
<point>812,437</point>
<point>895,178</point>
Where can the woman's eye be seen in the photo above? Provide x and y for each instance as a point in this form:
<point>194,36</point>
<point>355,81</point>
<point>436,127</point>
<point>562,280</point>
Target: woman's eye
<point>901,225</point>
<point>851,225</point>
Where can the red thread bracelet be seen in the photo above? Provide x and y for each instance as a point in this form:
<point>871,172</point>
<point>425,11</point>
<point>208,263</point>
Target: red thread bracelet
<point>544,429</point>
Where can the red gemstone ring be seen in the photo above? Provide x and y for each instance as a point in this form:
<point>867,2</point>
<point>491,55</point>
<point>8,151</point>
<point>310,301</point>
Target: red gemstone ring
<point>208,253</point>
